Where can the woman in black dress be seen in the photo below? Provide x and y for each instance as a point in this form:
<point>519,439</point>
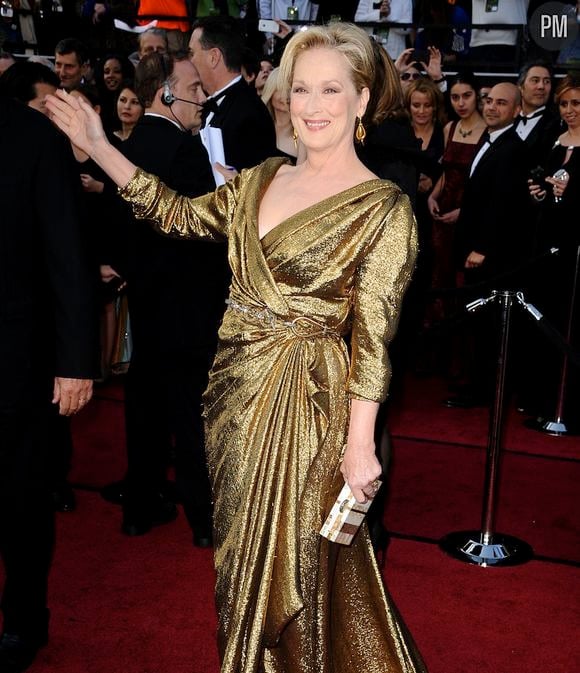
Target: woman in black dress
<point>559,199</point>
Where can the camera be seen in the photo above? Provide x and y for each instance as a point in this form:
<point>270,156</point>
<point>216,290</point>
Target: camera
<point>419,56</point>
<point>538,177</point>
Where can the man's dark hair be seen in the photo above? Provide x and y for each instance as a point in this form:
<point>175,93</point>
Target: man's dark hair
<point>19,80</point>
<point>223,33</point>
<point>538,63</point>
<point>70,45</point>
<point>128,83</point>
<point>90,92</point>
<point>250,62</point>
<point>464,77</point>
<point>152,71</point>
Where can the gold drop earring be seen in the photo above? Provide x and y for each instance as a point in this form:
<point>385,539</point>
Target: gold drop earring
<point>295,138</point>
<point>360,133</point>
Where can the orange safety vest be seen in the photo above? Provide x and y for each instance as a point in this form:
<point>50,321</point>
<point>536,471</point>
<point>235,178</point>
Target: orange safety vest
<point>159,8</point>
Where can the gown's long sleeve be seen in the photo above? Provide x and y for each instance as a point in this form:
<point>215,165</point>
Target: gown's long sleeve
<point>206,217</point>
<point>381,281</point>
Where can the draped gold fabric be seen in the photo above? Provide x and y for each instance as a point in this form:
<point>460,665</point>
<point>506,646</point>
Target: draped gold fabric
<point>276,412</point>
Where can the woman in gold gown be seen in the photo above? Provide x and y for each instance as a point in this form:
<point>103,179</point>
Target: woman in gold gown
<point>315,251</point>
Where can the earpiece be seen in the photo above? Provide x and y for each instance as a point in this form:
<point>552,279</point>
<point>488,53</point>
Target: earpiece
<point>167,97</point>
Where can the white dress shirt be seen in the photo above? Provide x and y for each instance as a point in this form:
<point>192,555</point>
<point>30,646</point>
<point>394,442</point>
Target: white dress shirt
<point>493,136</point>
<point>524,130</point>
<point>218,96</point>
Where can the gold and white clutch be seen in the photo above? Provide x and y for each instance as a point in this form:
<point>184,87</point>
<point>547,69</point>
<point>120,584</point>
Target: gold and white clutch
<point>346,517</point>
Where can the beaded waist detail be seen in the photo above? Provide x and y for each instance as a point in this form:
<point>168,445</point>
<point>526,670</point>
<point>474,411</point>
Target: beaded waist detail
<point>302,326</point>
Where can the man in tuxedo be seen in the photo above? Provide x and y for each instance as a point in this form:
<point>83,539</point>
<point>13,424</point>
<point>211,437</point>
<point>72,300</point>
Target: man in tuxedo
<point>71,60</point>
<point>492,237</point>
<point>48,352</point>
<point>176,292</point>
<point>216,49</point>
<point>538,124</point>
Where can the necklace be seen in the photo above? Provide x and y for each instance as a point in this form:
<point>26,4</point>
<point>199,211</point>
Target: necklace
<point>463,133</point>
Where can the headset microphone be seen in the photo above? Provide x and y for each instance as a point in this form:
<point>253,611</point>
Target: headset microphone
<point>168,97</point>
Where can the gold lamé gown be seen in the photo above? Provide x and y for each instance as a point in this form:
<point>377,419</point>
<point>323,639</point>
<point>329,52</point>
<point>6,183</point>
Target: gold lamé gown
<point>277,408</point>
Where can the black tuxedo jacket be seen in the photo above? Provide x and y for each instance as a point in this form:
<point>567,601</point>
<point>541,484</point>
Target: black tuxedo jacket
<point>247,128</point>
<point>542,138</point>
<point>185,280</point>
<point>48,313</point>
<point>495,210</point>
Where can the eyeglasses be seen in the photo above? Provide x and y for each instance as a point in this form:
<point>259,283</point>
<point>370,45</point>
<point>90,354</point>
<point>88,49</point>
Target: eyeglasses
<point>410,75</point>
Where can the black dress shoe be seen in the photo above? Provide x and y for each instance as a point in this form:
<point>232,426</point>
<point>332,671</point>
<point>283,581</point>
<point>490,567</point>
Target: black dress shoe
<point>63,498</point>
<point>139,520</point>
<point>17,653</point>
<point>114,492</point>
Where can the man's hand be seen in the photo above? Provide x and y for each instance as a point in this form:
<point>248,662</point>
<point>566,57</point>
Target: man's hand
<point>449,218</point>
<point>71,395</point>
<point>284,29</point>
<point>474,260</point>
<point>91,185</point>
<point>229,172</point>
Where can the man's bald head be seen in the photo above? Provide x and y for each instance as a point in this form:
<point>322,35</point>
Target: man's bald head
<point>502,105</point>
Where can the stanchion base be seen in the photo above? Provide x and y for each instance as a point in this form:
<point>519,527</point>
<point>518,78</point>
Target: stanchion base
<point>501,550</point>
<point>555,427</point>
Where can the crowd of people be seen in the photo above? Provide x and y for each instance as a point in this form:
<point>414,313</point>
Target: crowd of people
<point>458,28</point>
<point>328,141</point>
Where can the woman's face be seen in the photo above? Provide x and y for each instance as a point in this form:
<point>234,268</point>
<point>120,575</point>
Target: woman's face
<point>569,105</point>
<point>129,109</point>
<point>112,74</point>
<point>409,75</point>
<point>279,102</point>
<point>324,103</point>
<point>463,100</point>
<point>422,110</point>
<point>265,69</point>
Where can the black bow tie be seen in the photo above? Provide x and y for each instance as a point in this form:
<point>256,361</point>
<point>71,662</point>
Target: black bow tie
<point>210,105</point>
<point>524,119</point>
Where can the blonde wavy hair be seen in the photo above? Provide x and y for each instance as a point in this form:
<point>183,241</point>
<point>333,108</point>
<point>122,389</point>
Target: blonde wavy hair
<point>270,87</point>
<point>433,93</point>
<point>345,38</point>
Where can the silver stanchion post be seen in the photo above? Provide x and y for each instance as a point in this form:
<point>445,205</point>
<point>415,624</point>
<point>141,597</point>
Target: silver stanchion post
<point>557,425</point>
<point>486,547</point>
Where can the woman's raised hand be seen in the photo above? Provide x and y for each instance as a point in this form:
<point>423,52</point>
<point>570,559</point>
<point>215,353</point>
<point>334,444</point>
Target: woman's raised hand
<point>77,120</point>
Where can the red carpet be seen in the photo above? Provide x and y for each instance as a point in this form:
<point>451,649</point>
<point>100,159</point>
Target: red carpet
<point>145,605</point>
